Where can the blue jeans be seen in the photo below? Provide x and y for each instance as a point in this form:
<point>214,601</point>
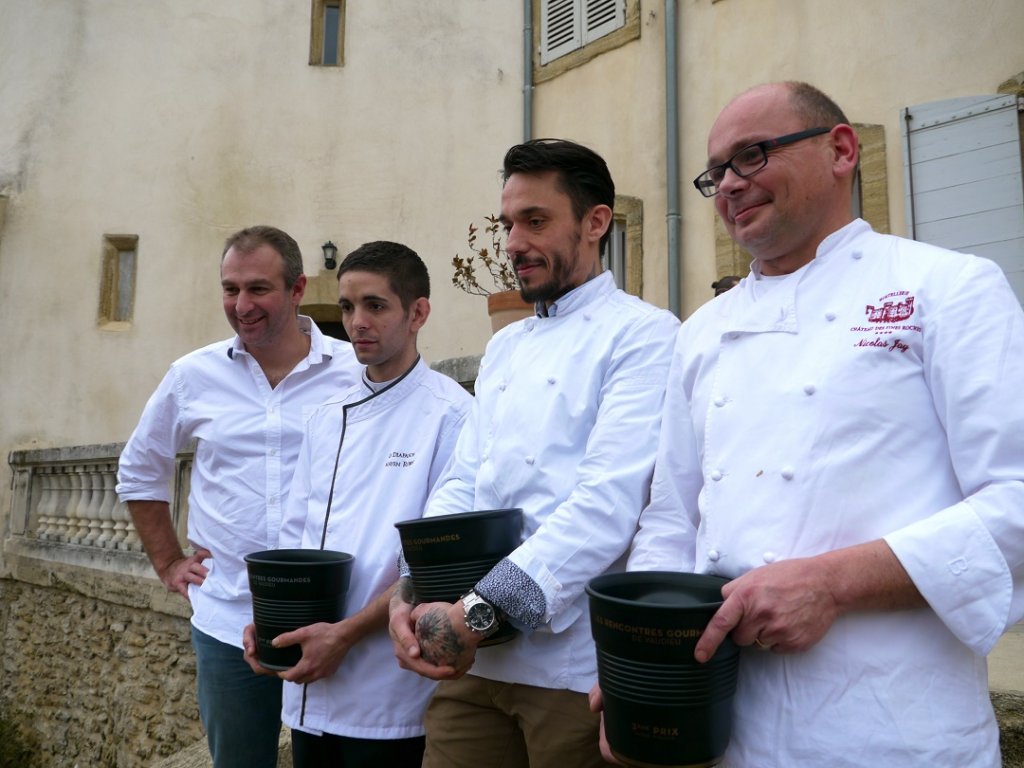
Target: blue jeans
<point>240,710</point>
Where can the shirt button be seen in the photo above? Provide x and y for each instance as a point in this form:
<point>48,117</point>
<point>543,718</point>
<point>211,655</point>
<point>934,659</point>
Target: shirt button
<point>719,402</point>
<point>856,255</point>
<point>586,317</point>
<point>713,555</point>
<point>529,460</point>
<point>716,475</point>
<point>830,316</point>
<point>551,380</point>
<point>787,473</point>
<point>810,389</point>
<point>770,557</point>
<point>502,387</point>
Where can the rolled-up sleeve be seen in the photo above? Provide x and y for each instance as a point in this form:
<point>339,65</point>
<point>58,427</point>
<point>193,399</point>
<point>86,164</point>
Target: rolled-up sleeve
<point>968,560</point>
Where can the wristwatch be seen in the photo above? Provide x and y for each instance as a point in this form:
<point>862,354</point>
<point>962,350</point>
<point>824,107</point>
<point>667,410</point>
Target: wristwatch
<point>479,614</point>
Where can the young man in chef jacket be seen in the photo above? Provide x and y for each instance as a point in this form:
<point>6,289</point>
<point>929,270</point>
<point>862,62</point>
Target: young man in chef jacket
<point>369,459</point>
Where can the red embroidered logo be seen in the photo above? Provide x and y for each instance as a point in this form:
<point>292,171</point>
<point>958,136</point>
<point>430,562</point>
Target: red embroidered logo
<point>891,311</point>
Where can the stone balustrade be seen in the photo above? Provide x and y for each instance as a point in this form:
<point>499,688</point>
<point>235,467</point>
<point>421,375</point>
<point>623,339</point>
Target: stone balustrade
<point>66,496</point>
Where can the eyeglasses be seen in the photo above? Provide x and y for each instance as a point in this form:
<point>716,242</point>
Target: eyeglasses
<point>748,160</point>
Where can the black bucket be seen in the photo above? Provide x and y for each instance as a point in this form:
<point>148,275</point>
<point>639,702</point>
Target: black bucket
<point>449,554</point>
<point>661,707</point>
<point>294,588</point>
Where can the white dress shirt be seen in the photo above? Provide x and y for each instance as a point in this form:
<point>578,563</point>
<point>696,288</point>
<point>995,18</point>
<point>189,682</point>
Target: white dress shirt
<point>247,437</point>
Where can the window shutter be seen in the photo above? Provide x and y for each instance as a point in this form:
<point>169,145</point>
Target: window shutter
<point>963,174</point>
<point>602,17</point>
<point>560,28</point>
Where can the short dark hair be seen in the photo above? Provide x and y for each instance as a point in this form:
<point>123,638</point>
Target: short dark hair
<point>582,174</point>
<point>406,273</point>
<point>817,109</point>
<point>249,239</point>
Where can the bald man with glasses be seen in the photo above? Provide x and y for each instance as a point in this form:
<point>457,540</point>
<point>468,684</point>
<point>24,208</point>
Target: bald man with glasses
<point>843,437</point>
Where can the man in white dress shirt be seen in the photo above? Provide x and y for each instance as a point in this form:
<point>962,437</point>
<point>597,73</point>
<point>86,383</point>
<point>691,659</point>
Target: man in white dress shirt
<point>244,402</point>
<point>843,435</point>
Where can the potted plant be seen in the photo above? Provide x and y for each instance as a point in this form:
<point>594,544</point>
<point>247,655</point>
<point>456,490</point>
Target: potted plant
<point>491,263</point>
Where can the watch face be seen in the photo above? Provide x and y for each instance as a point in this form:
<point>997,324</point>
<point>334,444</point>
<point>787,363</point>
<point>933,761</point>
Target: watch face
<point>480,617</point>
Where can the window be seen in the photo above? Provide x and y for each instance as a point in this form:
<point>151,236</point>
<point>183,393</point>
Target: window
<point>117,290</point>
<point>623,255</point>
<point>571,32</point>
<point>326,38</point>
<point>963,178</point>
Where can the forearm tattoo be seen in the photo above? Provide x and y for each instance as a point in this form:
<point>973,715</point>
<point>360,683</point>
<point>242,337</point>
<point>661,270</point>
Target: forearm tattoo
<point>439,644</point>
<point>404,591</point>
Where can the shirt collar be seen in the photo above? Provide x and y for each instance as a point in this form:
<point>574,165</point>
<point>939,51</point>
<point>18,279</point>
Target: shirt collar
<point>579,296</point>
<point>318,347</point>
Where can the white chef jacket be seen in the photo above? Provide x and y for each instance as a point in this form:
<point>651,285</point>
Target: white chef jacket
<point>565,426</point>
<point>393,446</point>
<point>247,438</point>
<point>873,394</point>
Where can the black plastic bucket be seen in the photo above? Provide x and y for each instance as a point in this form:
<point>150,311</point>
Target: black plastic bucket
<point>294,588</point>
<point>661,707</point>
<point>449,554</point>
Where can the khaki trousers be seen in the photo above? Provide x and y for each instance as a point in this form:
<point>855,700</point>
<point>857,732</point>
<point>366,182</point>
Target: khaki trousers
<point>476,723</point>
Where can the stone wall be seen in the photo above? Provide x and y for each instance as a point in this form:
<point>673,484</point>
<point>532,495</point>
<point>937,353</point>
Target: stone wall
<point>90,682</point>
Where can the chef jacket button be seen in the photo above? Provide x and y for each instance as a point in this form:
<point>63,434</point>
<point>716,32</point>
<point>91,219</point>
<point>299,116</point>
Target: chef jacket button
<point>830,316</point>
<point>856,255</point>
<point>529,460</point>
<point>787,473</point>
<point>551,379</point>
<point>719,402</point>
<point>484,457</point>
<point>770,557</point>
<point>586,317</point>
<point>502,386</point>
<point>810,389</point>
<point>713,555</point>
<point>716,475</point>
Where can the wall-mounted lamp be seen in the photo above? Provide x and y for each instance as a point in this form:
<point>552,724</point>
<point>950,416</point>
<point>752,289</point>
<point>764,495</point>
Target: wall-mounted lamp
<point>330,254</point>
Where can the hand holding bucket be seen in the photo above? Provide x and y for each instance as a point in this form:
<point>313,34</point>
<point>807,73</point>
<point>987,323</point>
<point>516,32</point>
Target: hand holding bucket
<point>293,588</point>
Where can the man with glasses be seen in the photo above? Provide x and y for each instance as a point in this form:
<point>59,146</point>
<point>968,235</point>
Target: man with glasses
<point>843,436</point>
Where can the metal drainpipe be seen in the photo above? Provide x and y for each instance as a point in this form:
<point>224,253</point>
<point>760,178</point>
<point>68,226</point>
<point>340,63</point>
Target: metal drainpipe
<point>527,70</point>
<point>672,215</point>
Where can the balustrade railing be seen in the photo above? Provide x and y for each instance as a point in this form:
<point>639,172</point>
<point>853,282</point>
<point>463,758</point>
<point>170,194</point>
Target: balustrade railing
<point>66,496</point>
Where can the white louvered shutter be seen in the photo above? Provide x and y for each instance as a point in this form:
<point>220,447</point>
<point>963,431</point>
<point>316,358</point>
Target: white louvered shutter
<point>962,167</point>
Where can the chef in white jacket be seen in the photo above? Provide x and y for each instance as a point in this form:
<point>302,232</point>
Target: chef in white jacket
<point>843,435</point>
<point>564,426</point>
<point>369,458</point>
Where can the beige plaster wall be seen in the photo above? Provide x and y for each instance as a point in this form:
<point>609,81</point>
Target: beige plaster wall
<point>874,57</point>
<point>181,122</point>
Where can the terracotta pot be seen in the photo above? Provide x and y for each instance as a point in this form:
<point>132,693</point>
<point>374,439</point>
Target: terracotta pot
<point>506,307</point>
